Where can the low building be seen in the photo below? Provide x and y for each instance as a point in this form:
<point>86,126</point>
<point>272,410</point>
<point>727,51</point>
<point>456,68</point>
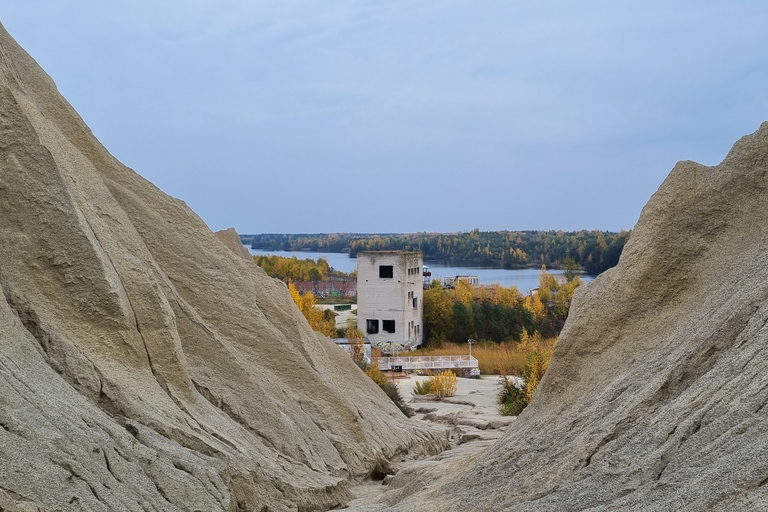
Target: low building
<point>325,289</point>
<point>450,282</point>
<point>390,299</point>
<point>355,349</point>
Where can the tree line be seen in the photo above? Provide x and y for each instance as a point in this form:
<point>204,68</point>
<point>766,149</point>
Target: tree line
<point>495,313</point>
<point>595,251</point>
<point>294,269</point>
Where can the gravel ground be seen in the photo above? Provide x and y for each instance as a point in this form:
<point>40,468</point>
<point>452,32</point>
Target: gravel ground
<point>471,420</point>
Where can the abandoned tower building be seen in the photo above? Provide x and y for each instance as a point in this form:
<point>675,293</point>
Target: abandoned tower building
<point>390,299</point>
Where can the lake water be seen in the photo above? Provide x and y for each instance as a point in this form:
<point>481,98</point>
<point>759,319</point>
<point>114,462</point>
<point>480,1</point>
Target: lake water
<point>525,279</point>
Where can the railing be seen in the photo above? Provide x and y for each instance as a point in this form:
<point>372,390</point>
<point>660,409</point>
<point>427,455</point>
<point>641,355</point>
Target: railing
<point>426,363</point>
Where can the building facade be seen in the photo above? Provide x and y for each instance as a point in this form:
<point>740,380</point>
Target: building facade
<point>390,299</point>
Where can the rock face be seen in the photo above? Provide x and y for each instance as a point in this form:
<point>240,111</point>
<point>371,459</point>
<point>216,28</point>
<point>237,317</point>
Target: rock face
<point>144,365</point>
<point>656,396</point>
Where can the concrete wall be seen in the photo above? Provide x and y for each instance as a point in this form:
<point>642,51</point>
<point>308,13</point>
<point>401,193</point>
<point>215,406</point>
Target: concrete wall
<point>381,299</point>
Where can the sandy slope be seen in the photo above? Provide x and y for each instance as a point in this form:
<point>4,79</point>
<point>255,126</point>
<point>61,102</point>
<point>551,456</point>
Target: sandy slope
<point>143,364</point>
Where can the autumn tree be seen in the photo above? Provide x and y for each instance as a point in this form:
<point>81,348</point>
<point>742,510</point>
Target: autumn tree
<point>316,318</point>
<point>356,340</point>
<point>294,269</point>
<point>552,302</point>
<point>516,393</point>
<point>438,310</point>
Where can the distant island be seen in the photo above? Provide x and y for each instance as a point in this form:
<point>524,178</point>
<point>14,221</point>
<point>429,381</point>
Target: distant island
<point>593,250</point>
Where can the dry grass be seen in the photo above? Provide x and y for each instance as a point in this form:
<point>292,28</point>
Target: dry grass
<point>493,358</point>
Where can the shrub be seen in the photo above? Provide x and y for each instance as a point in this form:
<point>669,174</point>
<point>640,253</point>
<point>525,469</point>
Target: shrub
<point>375,374</point>
<point>512,396</point>
<point>538,362</point>
<point>423,388</point>
<point>440,385</point>
<point>388,387</point>
<point>393,392</point>
<point>444,384</point>
<point>517,392</point>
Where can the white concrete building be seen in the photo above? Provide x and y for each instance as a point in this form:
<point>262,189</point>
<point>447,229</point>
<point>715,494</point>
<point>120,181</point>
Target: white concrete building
<point>390,299</point>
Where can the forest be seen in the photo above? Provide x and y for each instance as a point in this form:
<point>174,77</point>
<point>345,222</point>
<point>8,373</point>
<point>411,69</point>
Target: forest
<point>594,251</point>
<point>294,269</point>
<point>495,313</point>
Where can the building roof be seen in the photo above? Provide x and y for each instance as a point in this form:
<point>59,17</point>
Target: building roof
<point>390,252</point>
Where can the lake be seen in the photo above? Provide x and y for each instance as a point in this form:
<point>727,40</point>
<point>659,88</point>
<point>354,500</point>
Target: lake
<point>525,279</point>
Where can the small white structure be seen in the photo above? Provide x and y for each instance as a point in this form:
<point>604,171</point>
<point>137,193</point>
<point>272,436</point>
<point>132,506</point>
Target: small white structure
<point>365,348</point>
<point>390,299</point>
<point>450,282</point>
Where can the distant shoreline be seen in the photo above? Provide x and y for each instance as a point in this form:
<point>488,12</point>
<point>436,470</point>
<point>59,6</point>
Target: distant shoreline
<point>454,263</point>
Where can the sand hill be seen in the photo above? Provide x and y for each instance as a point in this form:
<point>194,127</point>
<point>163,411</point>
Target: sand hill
<point>655,398</point>
<point>143,364</point>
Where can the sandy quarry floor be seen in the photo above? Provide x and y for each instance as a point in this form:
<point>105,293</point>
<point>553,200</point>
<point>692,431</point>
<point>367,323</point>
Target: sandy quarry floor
<point>471,420</point>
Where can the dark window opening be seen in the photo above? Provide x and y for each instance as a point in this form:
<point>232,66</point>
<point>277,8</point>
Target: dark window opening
<point>386,271</point>
<point>415,303</point>
<point>388,326</point>
<point>372,326</point>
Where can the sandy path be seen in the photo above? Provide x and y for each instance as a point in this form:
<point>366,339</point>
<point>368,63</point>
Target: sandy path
<point>471,420</point>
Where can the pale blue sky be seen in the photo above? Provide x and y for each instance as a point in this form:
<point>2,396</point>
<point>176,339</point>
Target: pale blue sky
<point>402,116</point>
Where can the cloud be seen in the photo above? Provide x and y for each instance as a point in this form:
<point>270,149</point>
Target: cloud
<point>528,115</point>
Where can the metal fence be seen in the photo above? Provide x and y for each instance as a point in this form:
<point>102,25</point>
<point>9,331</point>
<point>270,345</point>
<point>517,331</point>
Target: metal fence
<point>426,363</point>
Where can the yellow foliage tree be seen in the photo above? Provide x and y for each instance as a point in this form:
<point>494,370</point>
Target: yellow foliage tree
<point>376,375</point>
<point>438,311</point>
<point>463,291</point>
<point>356,340</point>
<point>535,306</point>
<point>314,316</point>
<point>510,297</point>
<point>538,362</point>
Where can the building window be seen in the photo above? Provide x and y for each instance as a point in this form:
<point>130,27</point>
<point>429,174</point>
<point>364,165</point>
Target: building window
<point>415,303</point>
<point>388,326</point>
<point>386,271</point>
<point>372,326</point>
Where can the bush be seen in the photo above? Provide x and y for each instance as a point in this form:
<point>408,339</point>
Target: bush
<point>393,392</point>
<point>389,388</point>
<point>423,388</point>
<point>376,376</point>
<point>512,396</point>
<point>517,392</point>
<point>444,384</point>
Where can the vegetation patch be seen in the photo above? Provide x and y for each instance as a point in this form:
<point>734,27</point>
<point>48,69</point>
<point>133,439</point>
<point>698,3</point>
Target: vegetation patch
<point>441,385</point>
<point>509,358</point>
<point>389,387</point>
<point>517,393</point>
<point>294,269</point>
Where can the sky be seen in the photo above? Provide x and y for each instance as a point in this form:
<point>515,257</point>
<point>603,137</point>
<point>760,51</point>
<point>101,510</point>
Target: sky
<point>400,116</point>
